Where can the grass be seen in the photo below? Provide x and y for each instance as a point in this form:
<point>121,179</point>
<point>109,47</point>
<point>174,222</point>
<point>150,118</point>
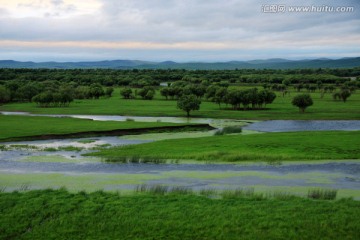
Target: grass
<point>323,108</point>
<point>325,194</point>
<point>86,141</point>
<point>228,130</point>
<point>27,126</point>
<point>232,148</point>
<point>50,214</point>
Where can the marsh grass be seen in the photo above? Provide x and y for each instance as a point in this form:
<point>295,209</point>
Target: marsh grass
<point>54,214</point>
<point>135,159</point>
<point>86,141</point>
<point>323,194</point>
<point>63,148</point>
<point>208,192</point>
<point>242,193</point>
<point>270,147</point>
<point>50,149</point>
<point>70,148</point>
<point>24,187</point>
<point>23,146</point>
<point>239,193</point>
<point>228,130</point>
<point>152,189</point>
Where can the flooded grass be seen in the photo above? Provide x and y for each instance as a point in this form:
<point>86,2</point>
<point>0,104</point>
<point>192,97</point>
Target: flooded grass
<point>323,194</point>
<point>86,141</point>
<point>228,130</point>
<point>135,159</point>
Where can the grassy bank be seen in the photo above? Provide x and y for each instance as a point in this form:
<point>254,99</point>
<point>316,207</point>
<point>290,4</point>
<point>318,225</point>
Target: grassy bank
<point>27,126</point>
<point>265,147</point>
<point>323,108</point>
<point>60,215</point>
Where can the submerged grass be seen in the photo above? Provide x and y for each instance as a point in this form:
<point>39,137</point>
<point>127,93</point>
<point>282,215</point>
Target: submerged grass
<point>324,194</point>
<point>228,130</point>
<point>270,147</point>
<point>50,214</point>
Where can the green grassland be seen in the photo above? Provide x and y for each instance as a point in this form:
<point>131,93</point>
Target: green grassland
<point>325,108</point>
<point>50,214</point>
<point>25,126</point>
<point>265,147</point>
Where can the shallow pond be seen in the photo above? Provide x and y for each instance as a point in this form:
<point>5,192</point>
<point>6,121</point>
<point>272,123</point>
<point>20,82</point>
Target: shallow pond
<point>294,178</point>
<point>304,125</point>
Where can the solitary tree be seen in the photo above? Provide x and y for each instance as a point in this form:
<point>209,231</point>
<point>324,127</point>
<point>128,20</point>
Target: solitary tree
<point>344,94</point>
<point>188,103</point>
<point>302,101</point>
<point>126,93</point>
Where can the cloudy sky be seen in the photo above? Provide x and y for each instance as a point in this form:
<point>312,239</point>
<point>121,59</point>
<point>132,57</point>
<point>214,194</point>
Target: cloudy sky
<point>178,30</point>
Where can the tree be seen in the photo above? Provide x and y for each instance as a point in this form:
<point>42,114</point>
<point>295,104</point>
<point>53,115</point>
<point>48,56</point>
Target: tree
<point>5,95</point>
<point>146,93</point>
<point>302,101</point>
<point>165,92</point>
<point>109,91</point>
<point>126,93</point>
<point>188,103</point>
<point>266,97</point>
<point>344,94</point>
<point>96,91</point>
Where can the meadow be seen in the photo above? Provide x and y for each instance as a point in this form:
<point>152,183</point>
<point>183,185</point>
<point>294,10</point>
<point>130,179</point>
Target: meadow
<point>233,148</point>
<point>324,108</point>
<point>18,127</point>
<point>58,214</point>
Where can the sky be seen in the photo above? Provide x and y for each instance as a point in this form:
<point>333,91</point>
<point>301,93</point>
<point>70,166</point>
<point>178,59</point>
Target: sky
<point>177,30</point>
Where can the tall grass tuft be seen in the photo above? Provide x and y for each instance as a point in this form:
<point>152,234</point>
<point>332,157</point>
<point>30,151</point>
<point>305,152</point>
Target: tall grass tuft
<point>24,187</point>
<point>239,193</point>
<point>324,194</point>
<point>135,159</point>
<point>228,130</point>
<point>208,192</point>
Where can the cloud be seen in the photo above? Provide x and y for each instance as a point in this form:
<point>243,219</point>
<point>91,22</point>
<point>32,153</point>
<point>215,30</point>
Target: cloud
<point>200,26</point>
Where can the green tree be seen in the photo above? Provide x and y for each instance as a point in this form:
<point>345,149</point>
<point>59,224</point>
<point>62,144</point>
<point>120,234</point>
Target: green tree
<point>344,94</point>
<point>126,93</point>
<point>5,95</point>
<point>109,91</point>
<point>188,103</point>
<point>165,92</point>
<point>96,91</point>
<point>302,101</point>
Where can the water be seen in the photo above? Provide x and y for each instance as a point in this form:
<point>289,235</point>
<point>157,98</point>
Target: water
<point>37,168</point>
<point>304,125</point>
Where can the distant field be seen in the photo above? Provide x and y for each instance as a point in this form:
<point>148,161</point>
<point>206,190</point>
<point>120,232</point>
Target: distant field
<point>58,214</point>
<point>325,108</point>
<point>232,148</point>
<point>24,126</point>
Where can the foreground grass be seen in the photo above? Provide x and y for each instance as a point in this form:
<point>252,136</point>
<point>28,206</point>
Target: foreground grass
<point>25,126</point>
<point>58,214</point>
<point>323,108</point>
<point>266,147</point>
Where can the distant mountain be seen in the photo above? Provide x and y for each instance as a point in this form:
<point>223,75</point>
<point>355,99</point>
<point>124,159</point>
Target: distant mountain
<point>274,63</point>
